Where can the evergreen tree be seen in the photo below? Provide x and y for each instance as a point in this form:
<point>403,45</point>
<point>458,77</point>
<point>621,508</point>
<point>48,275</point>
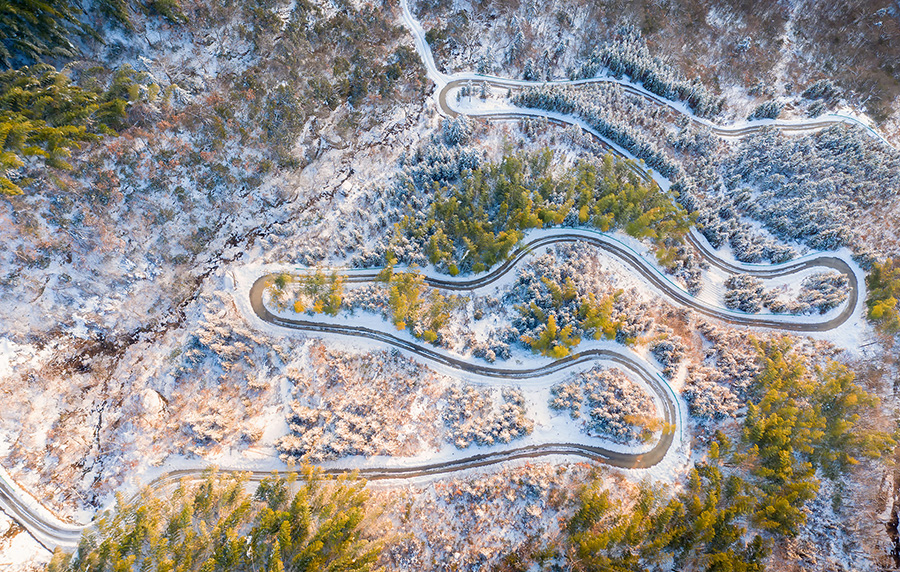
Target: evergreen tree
<point>799,420</point>
<point>45,116</point>
<point>476,222</point>
<point>32,30</point>
<point>884,290</point>
<point>216,525</point>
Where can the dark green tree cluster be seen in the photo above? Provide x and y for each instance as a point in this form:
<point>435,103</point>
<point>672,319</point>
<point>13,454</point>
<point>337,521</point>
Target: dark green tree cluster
<point>883,283</point>
<point>799,421</point>
<point>477,222</point>
<point>700,528</point>
<point>33,31</point>
<point>216,525</point>
<point>120,11</point>
<point>620,199</point>
<point>38,29</point>
<point>168,9</point>
<point>44,115</point>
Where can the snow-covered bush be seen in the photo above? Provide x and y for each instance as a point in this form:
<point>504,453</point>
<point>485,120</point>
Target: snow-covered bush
<point>496,347</point>
<point>308,439</point>
<point>627,54</point>
<point>320,434</point>
<point>632,316</point>
<point>473,521</point>
<point>824,291</point>
<point>473,416</point>
<point>614,406</point>
<point>767,110</point>
<point>368,298</point>
<point>708,394</point>
<point>567,396</point>
<point>818,293</point>
<point>211,428</point>
<point>745,293</point>
<point>681,261</point>
<point>718,387</point>
<point>668,350</point>
<point>372,404</point>
<point>618,407</point>
<point>494,338</point>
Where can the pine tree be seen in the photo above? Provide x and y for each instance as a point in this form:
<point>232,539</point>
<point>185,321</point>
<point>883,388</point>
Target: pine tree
<point>33,30</point>
<point>883,282</point>
<point>217,525</point>
<point>44,116</point>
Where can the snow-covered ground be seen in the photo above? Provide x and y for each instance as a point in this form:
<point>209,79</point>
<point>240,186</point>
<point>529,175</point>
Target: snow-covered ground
<point>147,373</point>
<point>549,428</point>
<point>18,549</point>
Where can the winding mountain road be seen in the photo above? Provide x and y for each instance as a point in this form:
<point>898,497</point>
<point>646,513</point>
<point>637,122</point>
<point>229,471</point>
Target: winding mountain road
<point>52,532</point>
<point>622,357</point>
<point>724,131</point>
<point>446,83</point>
<point>657,279</point>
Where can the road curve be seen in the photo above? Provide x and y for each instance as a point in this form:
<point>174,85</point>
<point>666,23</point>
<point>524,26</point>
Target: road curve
<point>653,276</point>
<point>48,530</point>
<point>670,412</point>
<point>724,131</point>
<point>52,532</point>
<point>446,82</point>
<point>621,358</point>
